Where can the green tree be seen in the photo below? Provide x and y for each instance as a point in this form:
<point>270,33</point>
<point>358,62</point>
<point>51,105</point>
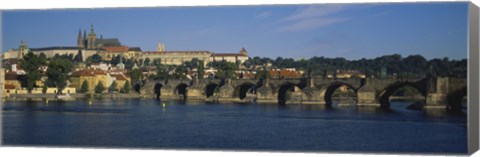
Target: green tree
<point>44,88</point>
<point>179,72</point>
<point>94,59</point>
<point>225,69</point>
<point>200,70</point>
<point>263,74</point>
<point>115,60</point>
<point>99,88</point>
<point>162,72</point>
<point>146,62</point>
<point>136,75</point>
<point>78,57</point>
<point>31,63</point>
<point>157,62</point>
<point>113,86</point>
<point>58,72</point>
<point>84,88</point>
<point>126,87</point>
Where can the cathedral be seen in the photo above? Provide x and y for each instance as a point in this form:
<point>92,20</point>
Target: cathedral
<point>92,42</point>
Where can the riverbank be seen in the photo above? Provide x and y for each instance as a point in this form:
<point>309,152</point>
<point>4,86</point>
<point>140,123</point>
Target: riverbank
<point>74,97</point>
<point>139,96</point>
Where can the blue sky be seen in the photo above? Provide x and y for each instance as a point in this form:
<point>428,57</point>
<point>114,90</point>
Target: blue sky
<point>352,31</point>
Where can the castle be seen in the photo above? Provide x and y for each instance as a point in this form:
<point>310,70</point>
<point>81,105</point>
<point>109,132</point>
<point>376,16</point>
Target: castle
<point>92,42</point>
<point>89,45</point>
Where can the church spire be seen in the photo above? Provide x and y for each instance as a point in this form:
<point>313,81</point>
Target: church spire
<point>92,32</point>
<point>80,39</point>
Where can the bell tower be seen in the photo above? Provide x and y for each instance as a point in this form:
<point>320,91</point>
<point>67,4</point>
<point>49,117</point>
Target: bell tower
<point>22,50</point>
<point>91,38</point>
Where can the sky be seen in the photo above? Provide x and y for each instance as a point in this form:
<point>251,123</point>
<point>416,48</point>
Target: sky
<point>352,31</point>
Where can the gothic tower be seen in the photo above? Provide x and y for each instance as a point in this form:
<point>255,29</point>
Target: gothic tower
<point>80,42</point>
<point>22,49</point>
<point>160,47</point>
<point>91,38</point>
<point>85,43</point>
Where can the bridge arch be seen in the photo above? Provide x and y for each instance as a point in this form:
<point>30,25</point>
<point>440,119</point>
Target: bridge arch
<point>454,100</point>
<point>384,96</point>
<point>137,87</point>
<point>282,92</point>
<point>331,88</point>
<point>210,89</point>
<point>157,89</point>
<point>244,88</point>
<point>181,90</point>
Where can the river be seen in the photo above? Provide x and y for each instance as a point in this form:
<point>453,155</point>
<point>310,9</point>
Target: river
<point>137,123</point>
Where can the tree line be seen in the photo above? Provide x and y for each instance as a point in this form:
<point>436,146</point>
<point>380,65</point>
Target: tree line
<point>395,64</point>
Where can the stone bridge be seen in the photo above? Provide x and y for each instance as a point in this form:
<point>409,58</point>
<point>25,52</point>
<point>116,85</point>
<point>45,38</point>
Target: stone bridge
<point>439,92</point>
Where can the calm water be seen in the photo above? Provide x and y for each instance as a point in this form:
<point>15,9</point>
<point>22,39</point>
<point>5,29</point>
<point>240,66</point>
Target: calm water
<point>146,124</point>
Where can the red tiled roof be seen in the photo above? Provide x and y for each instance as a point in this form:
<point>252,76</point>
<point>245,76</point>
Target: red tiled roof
<point>9,86</point>
<point>119,76</point>
<point>10,75</point>
<point>284,73</point>
<point>116,49</point>
<point>89,72</point>
<point>249,75</point>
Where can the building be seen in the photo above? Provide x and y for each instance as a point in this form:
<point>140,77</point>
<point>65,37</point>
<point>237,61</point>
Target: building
<point>95,75</point>
<point>177,57</point>
<point>10,54</point>
<point>285,74</point>
<point>120,78</point>
<point>239,58</point>
<point>92,76</point>
<point>11,80</point>
<point>345,74</point>
<point>51,52</point>
<point>2,81</point>
<point>180,57</point>
<point>108,53</point>
<point>92,42</point>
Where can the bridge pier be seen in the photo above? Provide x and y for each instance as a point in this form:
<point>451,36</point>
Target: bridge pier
<point>195,92</point>
<point>367,96</point>
<point>312,96</point>
<point>265,94</point>
<point>226,93</point>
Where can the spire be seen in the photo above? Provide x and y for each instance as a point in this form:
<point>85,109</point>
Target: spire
<point>160,47</point>
<point>84,34</point>
<point>92,32</point>
<point>80,39</point>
